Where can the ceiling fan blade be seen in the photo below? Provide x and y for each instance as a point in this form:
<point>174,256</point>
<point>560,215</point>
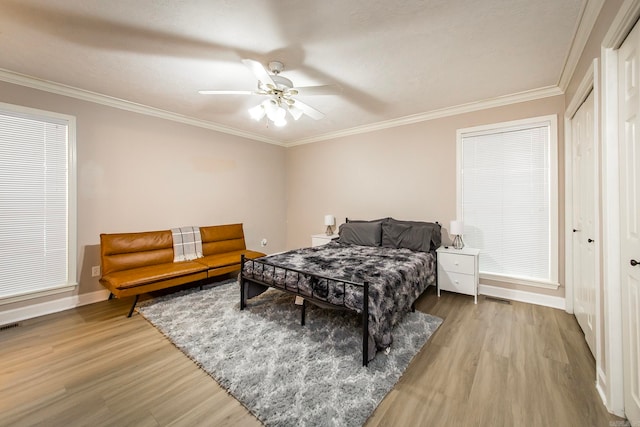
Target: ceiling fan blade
<point>318,90</point>
<point>308,110</point>
<point>259,71</point>
<point>226,92</point>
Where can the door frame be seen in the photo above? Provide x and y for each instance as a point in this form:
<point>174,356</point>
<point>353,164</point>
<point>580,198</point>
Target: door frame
<point>590,82</point>
<point>611,384</point>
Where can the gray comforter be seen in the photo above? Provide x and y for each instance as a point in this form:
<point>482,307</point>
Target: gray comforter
<point>396,279</point>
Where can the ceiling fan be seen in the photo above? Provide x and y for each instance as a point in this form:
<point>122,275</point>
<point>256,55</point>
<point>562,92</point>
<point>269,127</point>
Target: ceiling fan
<point>280,92</point>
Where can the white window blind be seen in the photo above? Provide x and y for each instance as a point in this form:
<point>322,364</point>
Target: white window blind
<point>507,199</point>
<point>35,199</point>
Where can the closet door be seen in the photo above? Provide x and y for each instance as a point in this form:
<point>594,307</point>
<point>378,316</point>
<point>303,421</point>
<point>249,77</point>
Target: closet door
<point>629,134</point>
<point>584,187</point>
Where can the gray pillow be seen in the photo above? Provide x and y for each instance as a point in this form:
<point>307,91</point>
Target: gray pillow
<point>415,237</point>
<point>361,233</point>
<point>392,234</point>
<point>436,230</point>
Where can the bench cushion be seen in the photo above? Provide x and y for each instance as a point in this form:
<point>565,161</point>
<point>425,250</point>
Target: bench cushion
<point>126,251</point>
<point>222,239</point>
<point>228,258</point>
<point>153,273</point>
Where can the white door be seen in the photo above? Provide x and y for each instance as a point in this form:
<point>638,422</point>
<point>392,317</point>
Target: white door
<point>584,187</point>
<point>629,131</point>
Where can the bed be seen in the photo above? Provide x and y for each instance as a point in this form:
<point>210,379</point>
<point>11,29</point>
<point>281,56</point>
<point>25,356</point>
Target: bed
<point>376,269</point>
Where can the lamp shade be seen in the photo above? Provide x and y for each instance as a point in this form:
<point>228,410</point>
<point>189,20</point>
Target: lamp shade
<point>456,228</point>
<point>329,220</point>
<point>257,112</point>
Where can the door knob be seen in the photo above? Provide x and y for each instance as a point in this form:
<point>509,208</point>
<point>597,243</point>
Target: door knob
<point>574,230</point>
<point>590,240</point>
<point>633,263</point>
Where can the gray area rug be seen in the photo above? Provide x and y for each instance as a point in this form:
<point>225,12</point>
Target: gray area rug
<point>284,373</point>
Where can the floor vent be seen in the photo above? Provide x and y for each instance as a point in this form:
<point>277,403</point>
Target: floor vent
<point>500,300</point>
<point>9,326</point>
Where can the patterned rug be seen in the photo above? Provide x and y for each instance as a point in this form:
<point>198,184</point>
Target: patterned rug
<point>284,373</point>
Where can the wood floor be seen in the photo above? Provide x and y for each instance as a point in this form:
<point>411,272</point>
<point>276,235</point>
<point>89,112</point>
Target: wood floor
<point>491,364</point>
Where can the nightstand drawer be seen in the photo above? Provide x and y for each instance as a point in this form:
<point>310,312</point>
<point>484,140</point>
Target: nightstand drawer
<point>457,263</point>
<point>456,282</point>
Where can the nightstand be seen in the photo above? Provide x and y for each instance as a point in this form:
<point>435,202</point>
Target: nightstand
<point>322,239</point>
<point>458,270</point>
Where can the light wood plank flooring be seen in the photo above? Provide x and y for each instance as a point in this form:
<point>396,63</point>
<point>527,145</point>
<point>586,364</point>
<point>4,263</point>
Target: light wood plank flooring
<point>491,364</point>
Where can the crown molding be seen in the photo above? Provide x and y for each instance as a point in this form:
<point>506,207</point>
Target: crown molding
<point>589,81</point>
<point>622,24</point>
<point>109,101</point>
<point>588,19</point>
<point>60,89</point>
<point>529,95</point>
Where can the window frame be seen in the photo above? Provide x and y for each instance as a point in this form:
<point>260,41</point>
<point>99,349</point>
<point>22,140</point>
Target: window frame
<point>72,241</point>
<point>554,215</point>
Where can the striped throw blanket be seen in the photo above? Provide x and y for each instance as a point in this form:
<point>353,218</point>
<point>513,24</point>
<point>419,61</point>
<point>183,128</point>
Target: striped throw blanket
<point>187,243</point>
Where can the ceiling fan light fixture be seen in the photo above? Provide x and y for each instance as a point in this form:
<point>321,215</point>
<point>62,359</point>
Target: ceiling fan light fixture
<point>270,108</point>
<point>275,112</point>
<point>280,92</point>
<point>257,112</point>
<point>283,83</point>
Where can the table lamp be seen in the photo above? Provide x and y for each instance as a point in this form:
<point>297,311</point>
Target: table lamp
<point>329,220</point>
<point>456,228</point>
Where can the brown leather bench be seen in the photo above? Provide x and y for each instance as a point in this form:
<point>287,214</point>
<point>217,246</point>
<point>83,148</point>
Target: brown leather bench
<point>137,263</point>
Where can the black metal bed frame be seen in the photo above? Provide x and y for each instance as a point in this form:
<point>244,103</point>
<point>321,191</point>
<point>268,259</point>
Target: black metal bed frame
<point>262,281</point>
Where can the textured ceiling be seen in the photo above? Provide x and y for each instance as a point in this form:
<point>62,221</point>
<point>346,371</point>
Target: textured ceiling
<point>392,59</point>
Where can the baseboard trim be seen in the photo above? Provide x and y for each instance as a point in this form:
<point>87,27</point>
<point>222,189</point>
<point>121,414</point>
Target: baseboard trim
<point>601,386</point>
<point>602,389</point>
<point>49,307</point>
<point>522,296</point>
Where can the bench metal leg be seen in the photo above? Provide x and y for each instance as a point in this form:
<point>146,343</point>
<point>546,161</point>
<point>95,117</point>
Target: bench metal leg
<point>303,311</point>
<point>135,301</point>
<point>110,296</point>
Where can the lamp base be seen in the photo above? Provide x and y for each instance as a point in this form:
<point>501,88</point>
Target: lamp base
<point>457,242</point>
<point>329,231</point>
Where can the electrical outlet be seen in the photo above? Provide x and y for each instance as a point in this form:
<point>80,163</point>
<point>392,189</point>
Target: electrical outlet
<point>263,243</point>
<point>95,271</point>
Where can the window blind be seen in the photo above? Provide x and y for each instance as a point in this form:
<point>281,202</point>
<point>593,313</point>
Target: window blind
<point>507,201</point>
<point>34,204</point>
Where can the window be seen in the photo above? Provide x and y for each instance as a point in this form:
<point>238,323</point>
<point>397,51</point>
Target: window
<point>37,203</point>
<point>507,198</point>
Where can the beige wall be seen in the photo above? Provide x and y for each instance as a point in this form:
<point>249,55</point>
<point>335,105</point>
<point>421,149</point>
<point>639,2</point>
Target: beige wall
<point>408,172</point>
<point>137,173</point>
